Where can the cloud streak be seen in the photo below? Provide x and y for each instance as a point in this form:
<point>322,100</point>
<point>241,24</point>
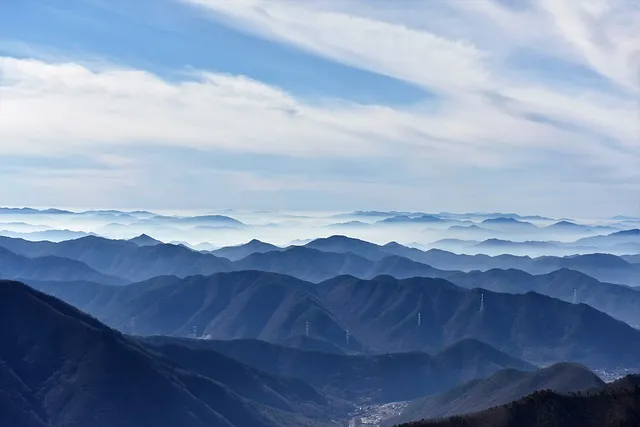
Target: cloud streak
<point>486,116</point>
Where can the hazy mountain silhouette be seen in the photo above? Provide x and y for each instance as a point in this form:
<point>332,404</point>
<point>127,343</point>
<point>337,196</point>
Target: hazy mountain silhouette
<point>50,235</point>
<point>315,265</point>
<point>235,253</point>
<point>61,367</point>
<point>131,262</point>
<point>349,224</point>
<point>145,240</point>
<point>604,267</point>
<point>18,267</point>
<point>383,314</point>
<point>509,245</point>
<point>633,259</point>
<point>30,211</point>
<point>618,301</point>
<point>281,392</point>
<point>246,304</point>
<point>610,406</point>
<point>123,258</point>
<point>406,219</point>
<point>367,379</point>
<point>202,220</point>
<point>507,224</point>
<point>502,387</point>
<point>620,237</point>
<point>343,244</point>
<point>572,227</point>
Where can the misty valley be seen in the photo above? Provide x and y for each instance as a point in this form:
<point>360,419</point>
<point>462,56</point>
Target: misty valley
<point>242,318</point>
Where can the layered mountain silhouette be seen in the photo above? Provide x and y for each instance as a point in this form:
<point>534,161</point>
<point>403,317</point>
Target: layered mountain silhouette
<point>502,387</point>
<point>613,239</point>
<point>131,262</point>
<point>613,405</point>
<point>618,301</point>
<point>247,304</point>
<point>507,245</point>
<point>382,315</point>
<point>18,267</point>
<point>235,253</point>
<point>60,367</point>
<point>604,267</point>
<point>406,219</point>
<point>319,260</point>
<point>215,221</point>
<point>315,265</point>
<point>633,259</point>
<point>365,379</point>
<point>507,224</point>
<point>124,259</point>
<point>145,240</point>
<point>50,235</point>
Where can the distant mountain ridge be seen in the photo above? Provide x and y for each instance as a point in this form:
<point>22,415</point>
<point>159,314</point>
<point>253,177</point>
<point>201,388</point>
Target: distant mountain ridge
<point>18,267</point>
<point>235,253</point>
<point>118,262</point>
<point>381,315</point>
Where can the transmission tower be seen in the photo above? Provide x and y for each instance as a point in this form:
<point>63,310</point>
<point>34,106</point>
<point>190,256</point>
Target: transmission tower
<point>306,328</point>
<point>481,303</point>
<point>575,296</point>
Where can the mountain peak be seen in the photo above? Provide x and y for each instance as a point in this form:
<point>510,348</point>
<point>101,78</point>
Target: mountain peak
<point>145,240</point>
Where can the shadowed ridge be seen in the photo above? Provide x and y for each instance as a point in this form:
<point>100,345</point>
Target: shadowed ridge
<point>145,240</point>
<point>18,267</point>
<point>238,252</point>
<point>365,378</point>
<point>547,408</point>
<point>502,387</point>
<point>75,371</point>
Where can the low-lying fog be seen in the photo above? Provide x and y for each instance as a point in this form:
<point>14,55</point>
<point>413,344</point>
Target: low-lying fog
<point>492,234</point>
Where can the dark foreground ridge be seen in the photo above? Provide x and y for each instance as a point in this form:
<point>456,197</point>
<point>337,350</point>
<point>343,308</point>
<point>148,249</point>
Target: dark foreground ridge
<point>502,387</point>
<point>615,405</point>
<point>60,367</point>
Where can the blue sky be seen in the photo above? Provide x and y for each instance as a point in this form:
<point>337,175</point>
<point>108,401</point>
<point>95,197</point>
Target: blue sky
<point>528,106</point>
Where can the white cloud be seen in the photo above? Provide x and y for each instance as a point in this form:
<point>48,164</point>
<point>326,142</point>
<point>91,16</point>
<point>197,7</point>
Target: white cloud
<point>489,116</point>
<point>604,34</point>
<point>47,107</point>
<point>465,59</point>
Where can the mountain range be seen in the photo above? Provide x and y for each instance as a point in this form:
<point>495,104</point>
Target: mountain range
<point>383,314</point>
<point>365,379</point>
<point>60,367</point>
<point>380,314</point>
<point>117,262</point>
<point>130,261</point>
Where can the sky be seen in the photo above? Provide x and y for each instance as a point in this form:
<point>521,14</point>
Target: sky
<point>426,105</point>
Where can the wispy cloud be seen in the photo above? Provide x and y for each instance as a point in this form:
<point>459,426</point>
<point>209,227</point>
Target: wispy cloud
<point>489,121</point>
